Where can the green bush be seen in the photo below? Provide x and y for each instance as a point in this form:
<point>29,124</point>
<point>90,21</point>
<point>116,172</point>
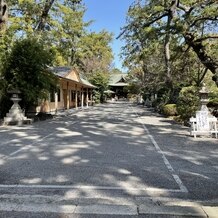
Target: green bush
<point>26,69</point>
<point>169,110</point>
<point>96,96</point>
<point>213,98</point>
<point>213,102</point>
<point>188,102</point>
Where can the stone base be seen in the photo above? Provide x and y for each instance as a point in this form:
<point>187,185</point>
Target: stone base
<point>18,122</point>
<point>15,116</point>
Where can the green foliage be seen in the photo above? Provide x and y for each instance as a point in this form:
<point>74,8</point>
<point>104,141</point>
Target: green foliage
<point>96,53</point>
<point>26,69</point>
<point>100,80</point>
<point>62,28</point>
<point>67,34</point>
<point>188,102</point>
<point>213,99</point>
<point>191,37</point>
<point>96,96</point>
<point>133,88</point>
<point>169,110</point>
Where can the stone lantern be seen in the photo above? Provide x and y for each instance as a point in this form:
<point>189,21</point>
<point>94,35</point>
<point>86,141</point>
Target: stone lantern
<point>204,99</point>
<point>204,122</point>
<point>15,116</point>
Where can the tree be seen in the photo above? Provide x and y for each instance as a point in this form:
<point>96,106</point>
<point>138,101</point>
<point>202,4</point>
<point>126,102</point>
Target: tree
<point>100,80</point>
<point>50,21</point>
<point>60,24</point>
<point>96,53</point>
<point>26,69</point>
<point>61,27</point>
<point>192,23</point>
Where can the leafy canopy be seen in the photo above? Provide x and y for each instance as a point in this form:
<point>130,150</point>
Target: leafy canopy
<point>26,69</point>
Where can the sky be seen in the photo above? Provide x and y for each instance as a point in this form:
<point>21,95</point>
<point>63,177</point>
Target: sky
<point>109,15</point>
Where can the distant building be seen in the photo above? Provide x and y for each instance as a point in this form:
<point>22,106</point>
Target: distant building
<point>117,83</point>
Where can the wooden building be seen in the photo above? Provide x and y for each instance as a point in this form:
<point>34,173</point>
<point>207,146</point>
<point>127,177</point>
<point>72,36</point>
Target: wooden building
<point>117,83</point>
<point>74,91</point>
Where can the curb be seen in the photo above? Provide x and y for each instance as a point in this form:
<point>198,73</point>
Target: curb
<point>178,211</point>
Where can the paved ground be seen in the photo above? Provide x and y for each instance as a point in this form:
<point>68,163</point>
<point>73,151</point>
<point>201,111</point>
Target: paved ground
<point>112,160</point>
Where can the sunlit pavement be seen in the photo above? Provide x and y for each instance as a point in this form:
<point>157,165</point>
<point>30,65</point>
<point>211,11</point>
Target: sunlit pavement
<point>115,159</point>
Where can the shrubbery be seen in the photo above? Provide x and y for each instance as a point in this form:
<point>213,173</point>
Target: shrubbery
<point>188,102</point>
<point>169,110</point>
<point>213,99</point>
<point>96,96</point>
<point>26,69</point>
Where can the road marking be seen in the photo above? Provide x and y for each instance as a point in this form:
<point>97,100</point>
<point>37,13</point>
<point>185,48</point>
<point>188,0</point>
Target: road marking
<point>87,187</point>
<point>107,209</point>
<point>182,187</point>
<point>37,208</point>
<point>71,209</point>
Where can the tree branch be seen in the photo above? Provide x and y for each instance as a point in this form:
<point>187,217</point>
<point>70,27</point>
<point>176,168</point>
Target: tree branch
<point>145,25</point>
<point>44,16</point>
<point>203,75</point>
<point>199,49</point>
<point>207,37</point>
<point>203,18</point>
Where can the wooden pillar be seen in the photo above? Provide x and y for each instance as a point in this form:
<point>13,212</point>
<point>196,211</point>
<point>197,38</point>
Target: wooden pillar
<point>56,102</point>
<point>68,99</point>
<point>62,97</point>
<point>87,97</point>
<point>82,98</point>
<point>91,97</point>
<point>76,97</point>
<point>68,96</point>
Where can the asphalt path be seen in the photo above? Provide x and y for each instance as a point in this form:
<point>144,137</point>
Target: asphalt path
<point>116,154</point>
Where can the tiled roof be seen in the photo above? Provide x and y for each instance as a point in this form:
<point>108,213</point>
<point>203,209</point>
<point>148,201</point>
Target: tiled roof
<point>64,72</point>
<point>61,71</point>
<point>85,81</point>
<point>118,78</point>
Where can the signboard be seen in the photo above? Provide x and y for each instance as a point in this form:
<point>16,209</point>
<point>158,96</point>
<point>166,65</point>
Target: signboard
<point>202,121</point>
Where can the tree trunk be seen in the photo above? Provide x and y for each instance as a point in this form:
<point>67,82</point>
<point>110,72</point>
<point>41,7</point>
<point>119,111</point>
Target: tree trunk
<point>3,14</point>
<point>205,59</point>
<point>167,53</point>
<point>44,16</point>
<point>171,14</point>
